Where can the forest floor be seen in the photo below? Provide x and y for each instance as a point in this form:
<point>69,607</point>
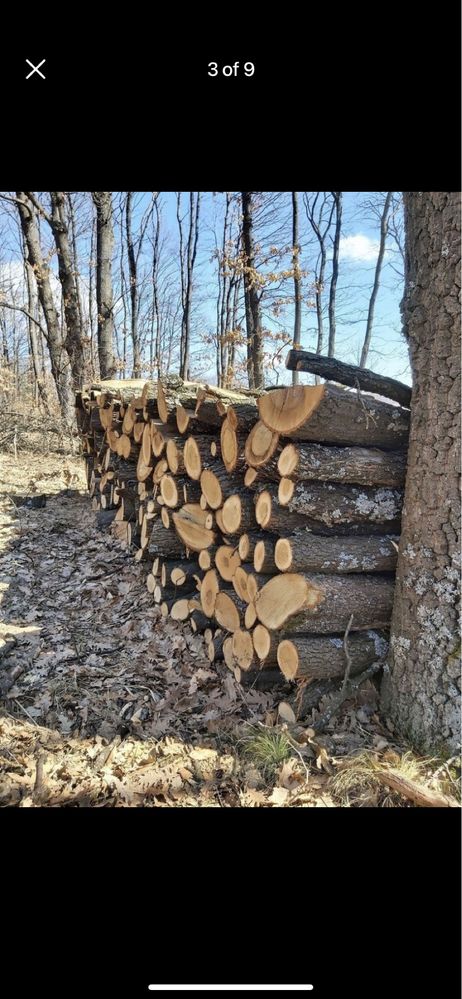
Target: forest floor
<point>104,703</point>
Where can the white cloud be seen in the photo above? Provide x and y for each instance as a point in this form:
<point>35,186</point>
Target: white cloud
<point>359,248</point>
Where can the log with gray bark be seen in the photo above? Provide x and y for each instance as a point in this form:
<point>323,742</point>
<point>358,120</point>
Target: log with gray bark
<point>349,374</point>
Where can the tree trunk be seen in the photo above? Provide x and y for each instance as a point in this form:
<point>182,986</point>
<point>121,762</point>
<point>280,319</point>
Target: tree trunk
<point>132,270</point>
<point>74,333</point>
<point>104,246</point>
<point>252,304</point>
<point>421,690</point>
<point>296,250</point>
<point>378,271</point>
<point>59,358</point>
<point>333,284</point>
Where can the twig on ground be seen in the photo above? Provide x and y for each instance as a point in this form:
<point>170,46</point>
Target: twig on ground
<point>347,654</point>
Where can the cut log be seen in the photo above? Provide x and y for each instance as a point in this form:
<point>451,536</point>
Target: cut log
<point>194,536</point>
<point>283,596</point>
<point>183,418</point>
<point>344,417</point>
<point>237,514</point>
<point>228,652</point>
<point>227,560</point>
<point>229,445</point>
<point>229,611</point>
<point>318,658</point>
<point>193,511</point>
<point>180,610</point>
<point>342,510</point>
<point>305,552</point>
<point>196,455</point>
<point>175,457</point>
<point>198,621</point>
<point>342,504</point>
<point>209,592</point>
<point>250,616</point>
<point>243,650</point>
<point>369,598</point>
<point>260,445</point>
<point>263,558</point>
<point>365,466</point>
<point>216,484</point>
<point>164,543</point>
<point>286,409</point>
<point>265,644</point>
<point>250,477</point>
<point>349,374</point>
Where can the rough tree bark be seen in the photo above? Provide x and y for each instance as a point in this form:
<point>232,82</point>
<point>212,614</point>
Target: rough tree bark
<point>421,685</point>
<point>297,281</point>
<point>59,358</point>
<point>252,302</point>
<point>132,270</point>
<point>104,245</point>
<point>74,334</point>
<point>337,195</point>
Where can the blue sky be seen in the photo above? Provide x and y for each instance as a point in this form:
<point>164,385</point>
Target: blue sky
<point>358,256</point>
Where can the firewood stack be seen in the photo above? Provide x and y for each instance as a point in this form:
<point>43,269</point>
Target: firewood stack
<point>266,521</point>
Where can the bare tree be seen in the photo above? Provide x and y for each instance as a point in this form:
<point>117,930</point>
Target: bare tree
<point>420,691</point>
<point>337,196</point>
<point>319,211</point>
<point>133,284</point>
<point>187,260</point>
<point>104,293</point>
<point>252,301</point>
<point>297,280</point>
<point>59,357</point>
<point>378,270</point>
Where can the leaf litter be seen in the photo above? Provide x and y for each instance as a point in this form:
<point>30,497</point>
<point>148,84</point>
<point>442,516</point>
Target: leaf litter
<point>104,703</point>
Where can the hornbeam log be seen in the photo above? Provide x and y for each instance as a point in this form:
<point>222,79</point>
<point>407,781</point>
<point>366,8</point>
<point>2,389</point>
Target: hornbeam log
<point>339,504</point>
<point>271,516</point>
<point>305,552</point>
<point>365,466</point>
<point>319,658</point>
<point>327,414</point>
<point>349,374</point>
<point>369,598</point>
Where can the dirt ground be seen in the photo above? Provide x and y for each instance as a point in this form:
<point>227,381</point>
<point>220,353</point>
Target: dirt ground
<point>106,704</point>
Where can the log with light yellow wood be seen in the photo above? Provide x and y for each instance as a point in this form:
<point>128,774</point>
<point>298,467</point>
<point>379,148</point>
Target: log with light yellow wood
<point>332,415</point>
<point>317,658</point>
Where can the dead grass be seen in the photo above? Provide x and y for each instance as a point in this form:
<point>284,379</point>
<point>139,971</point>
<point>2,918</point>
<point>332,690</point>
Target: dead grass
<point>358,779</point>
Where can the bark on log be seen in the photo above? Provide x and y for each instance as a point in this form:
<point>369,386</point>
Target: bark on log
<point>271,516</point>
<point>349,374</point>
<point>338,416</point>
<point>365,466</point>
<point>338,504</point>
<point>369,598</point>
<point>305,552</point>
<point>315,658</point>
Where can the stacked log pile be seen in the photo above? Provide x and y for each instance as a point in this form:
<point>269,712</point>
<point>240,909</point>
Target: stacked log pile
<point>265,521</point>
